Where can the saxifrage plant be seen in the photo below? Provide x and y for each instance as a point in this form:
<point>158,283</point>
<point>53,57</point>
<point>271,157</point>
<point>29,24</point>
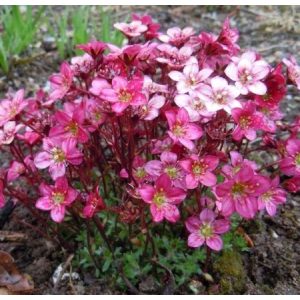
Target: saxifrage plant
<point>180,128</point>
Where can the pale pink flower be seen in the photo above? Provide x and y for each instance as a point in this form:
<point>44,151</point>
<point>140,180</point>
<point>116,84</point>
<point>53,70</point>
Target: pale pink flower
<point>124,93</point>
<point>205,229</point>
<point>293,70</point>
<point>272,197</point>
<point>181,130</point>
<point>191,78</point>
<point>199,170</point>
<point>10,108</point>
<point>133,29</point>
<point>220,95</point>
<point>151,110</point>
<point>248,73</point>
<point>98,85</point>
<point>56,198</point>
<point>152,87</point>
<point>82,64</point>
<point>163,199</point>
<point>176,36</point>
<point>15,171</point>
<point>7,134</point>
<point>57,155</point>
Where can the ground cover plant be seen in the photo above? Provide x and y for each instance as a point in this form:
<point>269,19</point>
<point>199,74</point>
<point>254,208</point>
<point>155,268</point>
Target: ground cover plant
<point>153,146</point>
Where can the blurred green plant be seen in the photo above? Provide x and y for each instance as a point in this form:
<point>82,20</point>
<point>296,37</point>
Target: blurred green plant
<point>18,30</point>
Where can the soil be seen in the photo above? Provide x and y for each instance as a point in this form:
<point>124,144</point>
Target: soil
<point>272,266</point>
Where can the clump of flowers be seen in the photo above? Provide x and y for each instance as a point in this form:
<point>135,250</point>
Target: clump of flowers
<point>160,124</point>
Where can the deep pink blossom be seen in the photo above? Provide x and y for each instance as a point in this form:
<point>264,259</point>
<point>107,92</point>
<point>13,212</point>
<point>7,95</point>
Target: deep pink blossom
<point>10,108</point>
<point>93,48</point>
<point>240,193</point>
<point>56,198</point>
<point>163,199</point>
<point>290,164</point>
<point>199,170</point>
<point>61,83</point>
<point>124,93</point>
<point>248,121</point>
<point>248,73</point>
<point>15,171</point>
<point>57,155</point>
<point>272,197</point>
<point>94,203</point>
<point>191,78</point>
<point>205,229</point>
<point>181,130</point>
<point>2,199</point>
<point>292,184</point>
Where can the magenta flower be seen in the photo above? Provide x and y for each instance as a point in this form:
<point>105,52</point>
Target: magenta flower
<point>163,199</point>
<point>181,129</point>
<point>292,184</point>
<point>169,165</point>
<point>247,120</point>
<point>133,29</point>
<point>93,204</point>
<point>56,198</point>
<point>70,125</point>
<point>272,197</point>
<point>15,171</point>
<point>220,95</point>
<point>247,72</point>
<point>206,229</point>
<point>2,199</point>
<point>10,108</point>
<point>93,48</point>
<point>199,170</point>
<point>57,155</point>
<point>293,70</point>
<point>7,134</point>
<point>191,78</point>
<point>176,36</point>
<point>240,193</point>
<point>194,105</point>
<point>124,93</point>
<point>94,114</point>
<point>61,83</point>
<point>290,165</point>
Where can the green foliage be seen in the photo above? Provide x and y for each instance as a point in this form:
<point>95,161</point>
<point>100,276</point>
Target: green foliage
<point>19,31</point>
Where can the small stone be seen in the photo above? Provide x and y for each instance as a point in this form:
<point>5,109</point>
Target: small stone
<point>274,234</point>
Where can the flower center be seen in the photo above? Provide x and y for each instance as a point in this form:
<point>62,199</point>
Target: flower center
<point>244,122</point>
<point>197,104</point>
<point>73,128</point>
<point>238,189</point>
<point>58,155</point>
<point>198,168</point>
<point>171,171</point>
<point>246,77</point>
<point>140,172</point>
<point>266,197</point>
<point>58,197</point>
<point>221,97</point>
<point>206,230</point>
<point>125,96</point>
<point>159,198</point>
<point>297,159</point>
<point>178,130</point>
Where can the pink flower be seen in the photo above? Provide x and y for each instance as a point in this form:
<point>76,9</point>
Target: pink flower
<point>57,155</point>
<point>31,137</point>
<point>290,165</point>
<point>191,78</point>
<point>181,130</point>
<point>199,170</point>
<point>82,64</point>
<point>152,27</point>
<point>168,164</point>
<point>93,48</point>
<point>220,95</point>
<point>93,204</point>
<point>124,93</point>
<point>70,125</point>
<point>163,199</point>
<point>150,111</point>
<point>2,199</point>
<point>160,146</point>
<point>248,72</point>
<point>98,85</point>
<point>10,108</point>
<point>56,198</point>
<point>292,184</point>
<point>240,193</point>
<point>194,105</point>
<point>206,229</point>
<point>176,36</point>
<point>272,197</point>
<point>247,120</point>
<point>61,83</point>
<point>16,169</point>
<point>139,172</point>
<point>152,87</point>
<point>293,70</point>
<point>94,114</point>
<point>7,134</point>
<point>133,29</point>
<point>237,163</point>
